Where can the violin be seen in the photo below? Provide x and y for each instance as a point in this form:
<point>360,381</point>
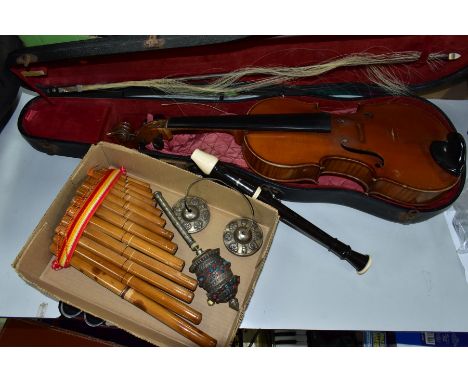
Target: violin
<point>395,151</point>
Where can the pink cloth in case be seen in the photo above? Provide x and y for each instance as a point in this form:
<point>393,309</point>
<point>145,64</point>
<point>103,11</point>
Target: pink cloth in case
<point>223,146</point>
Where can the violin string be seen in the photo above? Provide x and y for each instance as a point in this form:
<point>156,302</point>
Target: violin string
<point>202,105</point>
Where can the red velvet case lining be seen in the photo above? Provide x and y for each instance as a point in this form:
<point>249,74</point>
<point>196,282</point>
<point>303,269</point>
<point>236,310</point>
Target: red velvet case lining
<point>257,51</point>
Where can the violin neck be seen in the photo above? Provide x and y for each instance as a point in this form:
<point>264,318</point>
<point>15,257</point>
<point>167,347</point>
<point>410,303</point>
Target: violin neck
<point>310,122</point>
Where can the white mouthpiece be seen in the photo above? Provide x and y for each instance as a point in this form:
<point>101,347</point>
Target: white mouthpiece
<point>204,161</point>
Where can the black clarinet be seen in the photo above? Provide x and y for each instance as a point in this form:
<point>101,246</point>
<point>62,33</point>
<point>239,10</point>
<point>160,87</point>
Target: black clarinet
<point>210,165</point>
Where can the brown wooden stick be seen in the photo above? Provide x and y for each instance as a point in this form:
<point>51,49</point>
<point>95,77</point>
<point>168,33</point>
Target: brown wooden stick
<point>130,259</point>
<point>143,196</point>
<point>152,215</point>
<point>131,206</point>
<point>125,209</point>
<point>137,230</point>
<point>125,183</point>
<point>166,317</point>
<point>95,171</point>
<point>122,184</point>
<point>143,287</point>
<point>138,284</point>
<point>131,240</point>
<point>153,278</point>
<point>137,243</point>
<point>132,254</point>
<point>140,258</point>
<point>161,282</point>
<point>133,216</point>
<point>155,225</point>
<point>152,308</point>
<point>134,199</point>
<point>134,228</point>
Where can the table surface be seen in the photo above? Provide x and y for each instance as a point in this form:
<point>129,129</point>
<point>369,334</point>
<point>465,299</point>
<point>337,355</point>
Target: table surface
<point>416,282</point>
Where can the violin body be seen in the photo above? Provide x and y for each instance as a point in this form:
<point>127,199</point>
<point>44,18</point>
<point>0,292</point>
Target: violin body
<point>394,151</point>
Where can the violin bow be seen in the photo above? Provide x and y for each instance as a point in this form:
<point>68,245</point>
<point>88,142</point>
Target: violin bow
<point>231,83</point>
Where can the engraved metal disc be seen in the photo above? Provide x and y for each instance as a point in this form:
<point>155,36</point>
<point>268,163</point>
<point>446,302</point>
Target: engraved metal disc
<point>243,237</point>
<point>193,213</point>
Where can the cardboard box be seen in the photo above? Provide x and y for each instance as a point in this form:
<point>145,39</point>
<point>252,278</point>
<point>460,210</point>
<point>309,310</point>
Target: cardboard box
<point>33,263</point>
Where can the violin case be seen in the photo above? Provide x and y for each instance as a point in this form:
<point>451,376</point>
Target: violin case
<point>65,120</point>
<point>9,83</point>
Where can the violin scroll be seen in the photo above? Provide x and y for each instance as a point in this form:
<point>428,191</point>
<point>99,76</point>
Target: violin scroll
<point>150,132</point>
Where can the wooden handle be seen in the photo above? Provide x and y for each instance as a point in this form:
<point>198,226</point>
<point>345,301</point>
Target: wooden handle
<point>152,308</point>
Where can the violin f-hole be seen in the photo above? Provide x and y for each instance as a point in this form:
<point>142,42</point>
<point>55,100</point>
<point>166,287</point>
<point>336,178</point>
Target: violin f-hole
<point>380,160</point>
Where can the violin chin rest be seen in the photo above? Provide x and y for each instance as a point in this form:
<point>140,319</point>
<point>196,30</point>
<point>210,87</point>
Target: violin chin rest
<point>450,154</point>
